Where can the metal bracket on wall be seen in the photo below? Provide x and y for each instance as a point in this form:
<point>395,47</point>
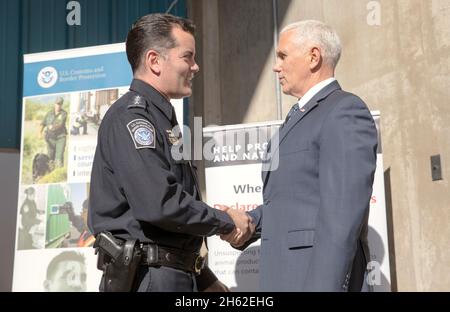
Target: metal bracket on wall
<point>436,169</point>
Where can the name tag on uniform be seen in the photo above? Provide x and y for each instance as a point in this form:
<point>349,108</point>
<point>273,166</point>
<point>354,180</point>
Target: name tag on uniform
<point>142,133</point>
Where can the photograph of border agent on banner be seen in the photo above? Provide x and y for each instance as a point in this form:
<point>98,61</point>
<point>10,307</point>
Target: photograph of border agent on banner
<point>31,218</point>
<point>233,178</point>
<point>45,139</point>
<point>67,208</point>
<point>86,113</point>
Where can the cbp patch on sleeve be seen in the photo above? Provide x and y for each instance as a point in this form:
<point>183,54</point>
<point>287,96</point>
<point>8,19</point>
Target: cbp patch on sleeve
<point>142,133</point>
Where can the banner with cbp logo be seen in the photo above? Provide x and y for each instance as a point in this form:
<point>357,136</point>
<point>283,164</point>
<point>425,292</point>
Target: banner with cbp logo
<point>65,97</point>
<point>233,178</point>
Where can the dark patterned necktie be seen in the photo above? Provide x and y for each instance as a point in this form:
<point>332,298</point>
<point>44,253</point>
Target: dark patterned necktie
<point>294,109</point>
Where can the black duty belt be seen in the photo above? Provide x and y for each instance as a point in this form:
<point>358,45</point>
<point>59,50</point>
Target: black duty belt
<point>154,255</point>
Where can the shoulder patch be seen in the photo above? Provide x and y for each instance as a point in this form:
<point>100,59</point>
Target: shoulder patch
<point>137,101</point>
<point>142,133</point>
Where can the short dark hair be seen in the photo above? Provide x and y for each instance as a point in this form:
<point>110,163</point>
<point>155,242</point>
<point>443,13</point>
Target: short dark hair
<point>153,31</point>
<point>64,256</point>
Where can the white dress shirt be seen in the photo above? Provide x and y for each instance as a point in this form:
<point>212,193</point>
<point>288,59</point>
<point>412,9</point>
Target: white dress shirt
<point>313,91</point>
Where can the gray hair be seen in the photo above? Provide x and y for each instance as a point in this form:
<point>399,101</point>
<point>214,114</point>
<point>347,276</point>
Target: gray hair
<point>316,32</point>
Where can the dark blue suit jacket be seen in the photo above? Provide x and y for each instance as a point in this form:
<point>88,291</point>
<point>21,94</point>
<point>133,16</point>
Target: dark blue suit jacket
<point>313,222</point>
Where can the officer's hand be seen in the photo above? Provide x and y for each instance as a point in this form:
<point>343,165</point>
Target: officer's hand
<point>233,235</point>
<point>244,228</point>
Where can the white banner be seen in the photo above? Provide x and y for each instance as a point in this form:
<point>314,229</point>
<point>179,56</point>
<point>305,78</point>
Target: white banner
<point>233,178</point>
<point>379,270</point>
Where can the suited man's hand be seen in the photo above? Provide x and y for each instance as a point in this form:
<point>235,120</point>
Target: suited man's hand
<point>244,227</point>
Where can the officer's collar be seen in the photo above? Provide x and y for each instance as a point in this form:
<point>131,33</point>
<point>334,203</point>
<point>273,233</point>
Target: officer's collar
<point>153,96</point>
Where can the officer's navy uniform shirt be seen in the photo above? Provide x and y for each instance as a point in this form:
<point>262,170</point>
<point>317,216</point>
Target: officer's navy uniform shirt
<point>137,189</point>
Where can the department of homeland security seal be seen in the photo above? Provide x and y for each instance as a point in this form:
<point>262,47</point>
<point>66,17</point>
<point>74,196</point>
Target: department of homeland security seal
<point>47,77</point>
<point>142,133</point>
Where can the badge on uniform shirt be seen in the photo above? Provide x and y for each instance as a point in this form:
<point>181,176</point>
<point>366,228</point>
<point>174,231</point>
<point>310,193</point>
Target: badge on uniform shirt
<point>142,133</point>
<point>173,139</point>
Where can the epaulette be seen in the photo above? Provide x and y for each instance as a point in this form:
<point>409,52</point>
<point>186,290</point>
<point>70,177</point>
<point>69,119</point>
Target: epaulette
<point>137,101</point>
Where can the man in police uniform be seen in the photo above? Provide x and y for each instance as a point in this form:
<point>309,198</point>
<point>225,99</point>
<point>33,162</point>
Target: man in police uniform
<point>138,191</point>
<point>54,124</point>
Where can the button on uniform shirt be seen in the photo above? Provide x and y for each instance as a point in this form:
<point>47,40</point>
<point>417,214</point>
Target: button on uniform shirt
<point>137,189</point>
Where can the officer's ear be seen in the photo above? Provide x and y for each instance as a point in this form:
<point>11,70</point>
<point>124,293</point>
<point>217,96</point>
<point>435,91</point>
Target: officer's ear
<point>153,61</point>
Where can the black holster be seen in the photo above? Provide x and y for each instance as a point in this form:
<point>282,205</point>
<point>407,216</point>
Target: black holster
<point>119,261</point>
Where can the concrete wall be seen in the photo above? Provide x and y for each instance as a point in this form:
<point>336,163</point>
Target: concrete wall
<point>396,56</point>
<point>9,181</point>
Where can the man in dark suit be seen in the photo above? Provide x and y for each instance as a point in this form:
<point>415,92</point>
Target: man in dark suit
<point>313,222</point>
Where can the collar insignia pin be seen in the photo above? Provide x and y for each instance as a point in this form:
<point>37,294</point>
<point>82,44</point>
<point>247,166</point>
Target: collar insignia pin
<point>172,138</point>
<point>137,100</point>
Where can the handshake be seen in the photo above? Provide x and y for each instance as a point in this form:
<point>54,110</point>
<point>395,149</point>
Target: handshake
<point>243,230</point>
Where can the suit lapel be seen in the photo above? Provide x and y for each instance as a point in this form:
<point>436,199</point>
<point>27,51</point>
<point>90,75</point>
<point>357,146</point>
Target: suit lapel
<point>324,93</point>
<point>295,119</point>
